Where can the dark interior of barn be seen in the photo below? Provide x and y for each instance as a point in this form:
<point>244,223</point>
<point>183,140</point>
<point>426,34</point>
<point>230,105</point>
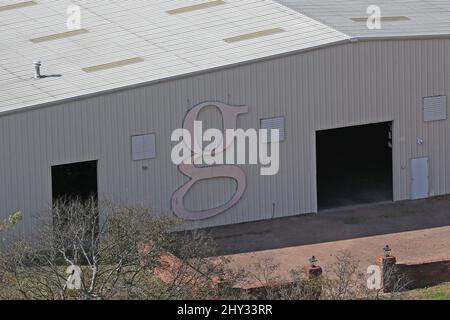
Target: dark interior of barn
<point>354,165</point>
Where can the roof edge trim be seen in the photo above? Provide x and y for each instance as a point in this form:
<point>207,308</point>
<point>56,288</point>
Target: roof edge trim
<point>195,73</point>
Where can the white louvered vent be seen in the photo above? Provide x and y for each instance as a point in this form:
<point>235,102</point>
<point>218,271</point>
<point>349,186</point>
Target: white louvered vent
<point>143,147</point>
<point>435,108</point>
<point>271,124</point>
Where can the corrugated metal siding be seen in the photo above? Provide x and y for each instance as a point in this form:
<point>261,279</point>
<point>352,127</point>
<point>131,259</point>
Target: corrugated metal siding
<point>339,86</point>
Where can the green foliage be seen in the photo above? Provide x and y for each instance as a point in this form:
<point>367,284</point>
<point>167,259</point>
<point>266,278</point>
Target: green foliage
<point>11,221</point>
<point>439,292</point>
<point>15,218</point>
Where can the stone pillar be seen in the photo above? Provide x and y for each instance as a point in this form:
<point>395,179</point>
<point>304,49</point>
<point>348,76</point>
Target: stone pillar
<point>388,272</point>
<point>313,285</point>
<point>313,272</point>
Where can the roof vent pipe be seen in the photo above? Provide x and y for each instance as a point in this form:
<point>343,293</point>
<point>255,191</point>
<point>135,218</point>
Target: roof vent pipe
<point>37,69</point>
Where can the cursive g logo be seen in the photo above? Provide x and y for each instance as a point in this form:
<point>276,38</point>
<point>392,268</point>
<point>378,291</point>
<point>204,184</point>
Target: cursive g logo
<point>196,174</point>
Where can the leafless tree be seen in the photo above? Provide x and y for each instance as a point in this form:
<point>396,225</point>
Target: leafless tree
<point>269,285</point>
<point>122,252</point>
<point>343,280</point>
<point>346,281</point>
<point>119,251</point>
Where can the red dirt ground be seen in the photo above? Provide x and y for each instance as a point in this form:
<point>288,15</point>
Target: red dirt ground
<point>415,230</point>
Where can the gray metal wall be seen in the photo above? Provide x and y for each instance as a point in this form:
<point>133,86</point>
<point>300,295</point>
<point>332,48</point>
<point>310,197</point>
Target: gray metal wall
<point>344,85</point>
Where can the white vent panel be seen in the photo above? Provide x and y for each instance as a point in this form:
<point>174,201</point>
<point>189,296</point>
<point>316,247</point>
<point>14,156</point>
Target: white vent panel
<point>143,147</point>
<point>271,124</point>
<point>435,108</point>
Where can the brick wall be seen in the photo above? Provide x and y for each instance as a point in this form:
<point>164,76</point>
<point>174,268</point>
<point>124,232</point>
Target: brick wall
<point>413,275</point>
<point>426,273</point>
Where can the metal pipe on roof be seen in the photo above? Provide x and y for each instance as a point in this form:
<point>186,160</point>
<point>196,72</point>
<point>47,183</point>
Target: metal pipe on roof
<point>37,69</point>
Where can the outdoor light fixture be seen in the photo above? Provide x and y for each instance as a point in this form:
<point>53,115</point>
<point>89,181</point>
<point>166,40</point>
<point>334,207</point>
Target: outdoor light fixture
<point>313,260</point>
<point>387,251</point>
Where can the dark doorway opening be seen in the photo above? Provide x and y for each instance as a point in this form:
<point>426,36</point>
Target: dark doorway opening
<point>354,165</point>
<point>74,181</point>
<point>75,205</point>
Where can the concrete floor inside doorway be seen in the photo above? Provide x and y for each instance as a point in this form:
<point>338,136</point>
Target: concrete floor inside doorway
<point>415,230</point>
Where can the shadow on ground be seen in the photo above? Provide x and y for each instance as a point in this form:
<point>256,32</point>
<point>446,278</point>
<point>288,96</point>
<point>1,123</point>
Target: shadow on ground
<point>333,225</point>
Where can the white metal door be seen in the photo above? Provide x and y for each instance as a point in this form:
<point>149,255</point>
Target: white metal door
<point>419,177</point>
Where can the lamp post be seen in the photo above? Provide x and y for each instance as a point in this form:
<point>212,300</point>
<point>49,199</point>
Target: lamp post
<point>387,263</point>
<point>387,251</point>
<point>312,261</point>
<point>313,270</point>
<point>313,273</point>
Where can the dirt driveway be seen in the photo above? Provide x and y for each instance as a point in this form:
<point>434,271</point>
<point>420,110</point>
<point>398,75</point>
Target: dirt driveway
<point>415,230</point>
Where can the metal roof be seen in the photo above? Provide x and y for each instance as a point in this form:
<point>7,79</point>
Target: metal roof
<point>123,43</point>
<point>401,17</point>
